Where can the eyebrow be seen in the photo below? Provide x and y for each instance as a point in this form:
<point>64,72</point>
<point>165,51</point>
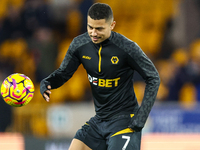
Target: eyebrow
<point>96,27</point>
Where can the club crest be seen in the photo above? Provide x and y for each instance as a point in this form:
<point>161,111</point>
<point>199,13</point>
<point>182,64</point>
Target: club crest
<point>114,60</point>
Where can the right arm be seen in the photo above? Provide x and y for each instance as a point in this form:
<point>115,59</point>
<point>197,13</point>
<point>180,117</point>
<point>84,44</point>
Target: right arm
<point>56,79</point>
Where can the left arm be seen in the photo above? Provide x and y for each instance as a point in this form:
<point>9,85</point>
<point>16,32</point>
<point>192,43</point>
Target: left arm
<point>143,65</point>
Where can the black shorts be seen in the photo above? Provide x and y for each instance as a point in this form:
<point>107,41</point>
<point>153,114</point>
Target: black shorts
<point>112,134</point>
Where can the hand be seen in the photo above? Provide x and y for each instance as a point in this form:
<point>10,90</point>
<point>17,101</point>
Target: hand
<point>47,93</point>
<point>135,126</point>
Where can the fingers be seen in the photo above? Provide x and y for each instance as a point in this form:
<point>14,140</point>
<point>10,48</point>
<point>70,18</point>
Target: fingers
<point>47,93</point>
<point>131,129</point>
<point>49,87</point>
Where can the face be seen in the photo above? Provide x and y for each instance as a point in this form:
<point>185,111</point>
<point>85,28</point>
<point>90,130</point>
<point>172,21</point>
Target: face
<point>99,30</point>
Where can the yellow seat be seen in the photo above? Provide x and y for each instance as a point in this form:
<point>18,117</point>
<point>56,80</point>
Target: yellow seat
<point>188,95</point>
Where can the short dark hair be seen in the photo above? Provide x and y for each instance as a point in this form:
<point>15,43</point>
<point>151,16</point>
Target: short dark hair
<point>100,11</point>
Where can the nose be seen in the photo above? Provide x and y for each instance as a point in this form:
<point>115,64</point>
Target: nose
<point>94,32</point>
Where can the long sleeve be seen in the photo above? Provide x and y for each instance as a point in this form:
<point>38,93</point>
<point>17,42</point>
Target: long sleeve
<point>143,65</point>
<point>67,68</point>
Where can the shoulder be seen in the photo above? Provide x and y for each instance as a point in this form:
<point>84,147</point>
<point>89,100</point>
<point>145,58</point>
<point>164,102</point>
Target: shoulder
<point>79,41</point>
<point>124,43</point>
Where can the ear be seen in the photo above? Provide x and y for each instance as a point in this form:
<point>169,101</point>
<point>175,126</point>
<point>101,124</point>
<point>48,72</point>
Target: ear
<point>112,26</point>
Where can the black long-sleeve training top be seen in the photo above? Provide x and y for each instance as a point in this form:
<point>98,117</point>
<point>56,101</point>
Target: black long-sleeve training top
<point>110,66</point>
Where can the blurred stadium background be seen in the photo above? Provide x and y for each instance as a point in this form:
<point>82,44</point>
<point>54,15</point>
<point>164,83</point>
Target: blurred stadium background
<point>34,37</point>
